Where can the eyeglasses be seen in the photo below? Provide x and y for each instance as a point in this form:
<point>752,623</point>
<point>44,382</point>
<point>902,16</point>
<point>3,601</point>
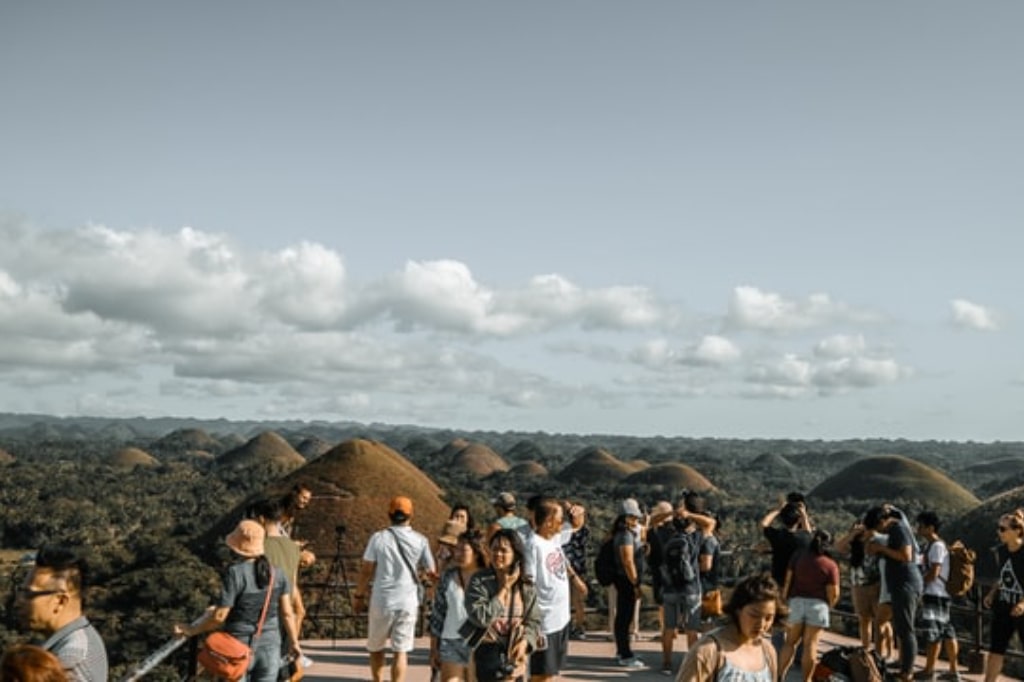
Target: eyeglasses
<point>27,594</point>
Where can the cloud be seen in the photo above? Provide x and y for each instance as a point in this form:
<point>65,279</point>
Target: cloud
<point>793,376</point>
<point>751,308</point>
<point>709,351</point>
<point>444,295</point>
<point>840,345</point>
<point>968,315</point>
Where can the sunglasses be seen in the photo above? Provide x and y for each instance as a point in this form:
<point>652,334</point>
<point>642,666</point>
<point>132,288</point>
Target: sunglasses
<point>27,594</point>
<point>1003,529</point>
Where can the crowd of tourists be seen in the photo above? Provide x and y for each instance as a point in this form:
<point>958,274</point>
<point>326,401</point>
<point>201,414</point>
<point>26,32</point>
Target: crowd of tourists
<point>508,596</point>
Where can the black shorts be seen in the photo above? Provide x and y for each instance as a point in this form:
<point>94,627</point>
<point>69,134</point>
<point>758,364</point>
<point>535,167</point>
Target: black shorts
<point>549,660</point>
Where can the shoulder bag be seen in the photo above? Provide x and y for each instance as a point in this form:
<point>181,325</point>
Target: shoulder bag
<point>223,655</point>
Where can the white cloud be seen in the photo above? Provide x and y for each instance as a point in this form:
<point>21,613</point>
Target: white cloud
<point>968,315</point>
<point>751,308</point>
<point>840,345</point>
<point>715,350</point>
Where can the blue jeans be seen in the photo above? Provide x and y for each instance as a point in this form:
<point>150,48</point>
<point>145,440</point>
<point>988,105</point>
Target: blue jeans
<point>266,657</point>
<point>904,606</point>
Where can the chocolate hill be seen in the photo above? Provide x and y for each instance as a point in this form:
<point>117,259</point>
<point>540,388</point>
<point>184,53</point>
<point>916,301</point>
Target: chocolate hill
<point>1003,465</point>
<point>524,451</point>
<point>595,465</point>
<point>894,477</point>
<point>475,459</point>
<point>773,463</point>
<point>352,485</point>
<point>132,457</point>
<point>183,440</point>
<point>530,469</point>
<point>266,449</point>
<point>311,448</point>
<point>670,476</point>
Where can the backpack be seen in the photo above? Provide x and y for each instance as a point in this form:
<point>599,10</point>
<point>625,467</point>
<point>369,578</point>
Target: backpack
<point>604,564</point>
<point>961,569</point>
<point>678,555</point>
<point>865,667</point>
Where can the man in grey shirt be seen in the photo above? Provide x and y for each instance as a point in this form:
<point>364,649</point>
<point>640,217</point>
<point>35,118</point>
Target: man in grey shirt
<point>50,603</point>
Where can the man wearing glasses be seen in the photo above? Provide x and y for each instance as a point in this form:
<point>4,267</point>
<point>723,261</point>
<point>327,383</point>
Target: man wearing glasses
<point>50,603</point>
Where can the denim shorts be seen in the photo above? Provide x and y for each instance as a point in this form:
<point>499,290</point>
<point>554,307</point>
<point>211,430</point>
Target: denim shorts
<point>809,611</point>
<point>454,651</point>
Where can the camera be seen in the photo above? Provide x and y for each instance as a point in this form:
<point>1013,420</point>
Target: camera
<point>340,529</point>
<point>505,670</point>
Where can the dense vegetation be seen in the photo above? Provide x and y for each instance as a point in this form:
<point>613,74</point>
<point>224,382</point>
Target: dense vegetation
<point>140,524</point>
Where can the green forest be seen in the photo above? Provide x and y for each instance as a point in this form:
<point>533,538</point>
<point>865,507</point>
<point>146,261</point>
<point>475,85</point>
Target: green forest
<point>151,525</point>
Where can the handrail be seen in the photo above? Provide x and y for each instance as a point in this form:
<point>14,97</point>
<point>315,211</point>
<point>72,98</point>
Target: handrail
<point>157,657</point>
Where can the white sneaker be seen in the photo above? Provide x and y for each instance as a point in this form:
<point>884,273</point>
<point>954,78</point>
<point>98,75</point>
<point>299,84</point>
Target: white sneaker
<point>633,663</point>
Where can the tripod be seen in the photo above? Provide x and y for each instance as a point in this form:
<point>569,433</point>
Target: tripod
<point>335,582</point>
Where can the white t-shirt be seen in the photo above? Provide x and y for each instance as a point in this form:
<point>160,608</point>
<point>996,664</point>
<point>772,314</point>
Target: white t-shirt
<point>938,554</point>
<point>456,614</point>
<point>547,566</point>
<point>394,588</point>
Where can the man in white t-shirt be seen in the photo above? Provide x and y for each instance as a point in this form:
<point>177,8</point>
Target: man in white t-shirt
<point>935,624</point>
<point>547,566</point>
<point>394,601</point>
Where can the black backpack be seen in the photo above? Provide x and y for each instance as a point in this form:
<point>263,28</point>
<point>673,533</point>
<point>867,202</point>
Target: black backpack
<point>604,564</point>
<point>678,557</point>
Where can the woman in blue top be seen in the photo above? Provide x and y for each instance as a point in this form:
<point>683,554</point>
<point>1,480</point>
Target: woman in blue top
<point>243,594</point>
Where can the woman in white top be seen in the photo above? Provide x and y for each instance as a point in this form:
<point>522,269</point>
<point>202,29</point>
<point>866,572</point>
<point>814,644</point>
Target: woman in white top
<point>448,649</point>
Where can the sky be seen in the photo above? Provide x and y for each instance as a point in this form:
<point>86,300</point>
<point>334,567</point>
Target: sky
<point>792,220</point>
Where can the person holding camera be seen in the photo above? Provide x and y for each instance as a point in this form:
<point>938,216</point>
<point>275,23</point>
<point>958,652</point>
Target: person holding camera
<point>503,619</point>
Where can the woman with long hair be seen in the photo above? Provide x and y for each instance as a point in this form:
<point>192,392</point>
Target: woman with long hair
<point>241,603</point>
<point>449,651</point>
<point>741,649</point>
<point>812,588</point>
<point>503,620</point>
<point>865,580</point>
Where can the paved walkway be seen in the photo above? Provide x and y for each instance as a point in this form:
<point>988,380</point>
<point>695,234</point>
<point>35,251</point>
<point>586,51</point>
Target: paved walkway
<point>589,660</point>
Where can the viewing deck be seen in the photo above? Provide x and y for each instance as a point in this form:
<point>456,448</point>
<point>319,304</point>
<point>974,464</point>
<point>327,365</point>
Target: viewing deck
<point>593,659</point>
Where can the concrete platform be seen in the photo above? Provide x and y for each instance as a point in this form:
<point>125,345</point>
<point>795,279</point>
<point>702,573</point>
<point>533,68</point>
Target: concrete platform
<point>593,659</point>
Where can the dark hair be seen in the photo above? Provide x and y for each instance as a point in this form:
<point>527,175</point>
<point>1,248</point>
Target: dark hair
<point>475,540</point>
<point>267,508</point>
<point>29,663</point>
<point>820,542</point>
<point>873,517</point>
<point>796,498</point>
<point>790,515</point>
<point>694,502</point>
<point>291,498</point>
<point>544,508</point>
<point>469,515</point>
<point>515,541</point>
<point>929,518</point>
<point>262,569</point>
<point>754,589</point>
<point>66,564</point>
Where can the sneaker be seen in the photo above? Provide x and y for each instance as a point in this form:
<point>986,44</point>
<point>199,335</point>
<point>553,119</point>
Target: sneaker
<point>666,670</point>
<point>577,633</point>
<point>632,662</point>
<point>925,675</point>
